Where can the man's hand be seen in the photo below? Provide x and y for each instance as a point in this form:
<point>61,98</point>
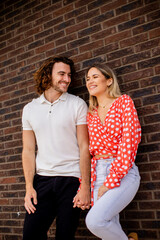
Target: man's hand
<point>102,189</point>
<point>83,198</point>
<point>30,194</point>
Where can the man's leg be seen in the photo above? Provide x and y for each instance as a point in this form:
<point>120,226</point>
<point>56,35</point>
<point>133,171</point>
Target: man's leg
<point>37,224</point>
<point>67,216</point>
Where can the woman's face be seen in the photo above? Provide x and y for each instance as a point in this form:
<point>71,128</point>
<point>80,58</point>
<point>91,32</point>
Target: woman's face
<point>96,82</point>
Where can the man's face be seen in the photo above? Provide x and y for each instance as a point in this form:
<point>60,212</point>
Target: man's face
<point>61,77</point>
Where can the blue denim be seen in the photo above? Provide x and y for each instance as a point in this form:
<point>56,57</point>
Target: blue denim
<point>103,218</point>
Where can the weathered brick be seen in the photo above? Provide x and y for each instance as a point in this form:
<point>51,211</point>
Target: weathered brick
<point>150,81</point>
<point>88,15</point>
<point>53,22</point>
<point>138,75</point>
<point>55,51</point>
<point>151,128</point>
<point>23,28</point>
<point>65,24</point>
<point>131,23</point>
<point>54,36</point>
<point>149,147</point>
<point>126,69</point>
<point>112,5</point>
<point>43,34</point>
<point>154,14</point>
<point>155,175</point>
<point>111,37</point>
<point>55,5</point>
<point>61,25</point>
<point>63,10</point>
<point>144,10</point>
<point>120,53</point>
<point>136,57</point>
<point>75,12</point>
<point>128,7</point>
<point>105,49</point>
<point>21,16</point>
<point>151,99</point>
<point>145,110</point>
<point>92,61</point>
<point>150,205</point>
<point>143,92</point>
<point>116,20</point>
<point>24,42</point>
<point>149,63</point>
<point>145,27</point>
<point>66,39</point>
<point>88,31</point>
<point>40,7</point>
<point>77,27</point>
<point>81,57</point>
<point>152,118</point>
<point>78,42</point>
<point>102,17</point>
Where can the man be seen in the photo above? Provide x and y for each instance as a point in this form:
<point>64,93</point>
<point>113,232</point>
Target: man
<point>55,123</point>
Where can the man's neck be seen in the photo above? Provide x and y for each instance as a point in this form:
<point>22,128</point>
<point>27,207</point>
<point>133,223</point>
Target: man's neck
<point>52,95</point>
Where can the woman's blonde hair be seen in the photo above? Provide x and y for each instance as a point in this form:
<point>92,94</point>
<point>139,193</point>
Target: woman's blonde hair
<point>113,89</point>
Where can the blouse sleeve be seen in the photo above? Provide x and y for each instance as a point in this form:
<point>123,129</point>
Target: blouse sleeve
<point>127,149</point>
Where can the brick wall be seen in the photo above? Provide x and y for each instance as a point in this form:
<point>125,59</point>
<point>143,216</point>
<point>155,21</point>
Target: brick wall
<point>124,33</point>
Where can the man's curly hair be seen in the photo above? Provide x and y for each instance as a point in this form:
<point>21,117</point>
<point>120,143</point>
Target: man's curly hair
<point>43,76</point>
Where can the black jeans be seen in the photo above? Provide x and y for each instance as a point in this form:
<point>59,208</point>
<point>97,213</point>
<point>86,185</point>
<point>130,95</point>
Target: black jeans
<point>55,199</point>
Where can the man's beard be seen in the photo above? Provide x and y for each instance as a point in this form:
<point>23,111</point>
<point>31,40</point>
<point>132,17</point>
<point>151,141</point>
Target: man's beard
<point>58,89</point>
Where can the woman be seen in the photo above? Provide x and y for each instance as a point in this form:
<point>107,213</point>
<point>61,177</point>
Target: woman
<point>115,133</point>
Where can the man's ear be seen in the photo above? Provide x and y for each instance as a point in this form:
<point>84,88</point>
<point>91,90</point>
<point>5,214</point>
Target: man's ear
<point>109,82</point>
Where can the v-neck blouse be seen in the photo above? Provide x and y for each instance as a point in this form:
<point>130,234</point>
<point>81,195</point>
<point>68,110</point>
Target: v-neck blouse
<point>119,136</point>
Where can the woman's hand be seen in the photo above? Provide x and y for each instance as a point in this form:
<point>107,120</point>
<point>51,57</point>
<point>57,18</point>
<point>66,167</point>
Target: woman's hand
<point>103,189</point>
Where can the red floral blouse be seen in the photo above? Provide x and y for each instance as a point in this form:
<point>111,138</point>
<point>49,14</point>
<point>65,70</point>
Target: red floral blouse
<point>119,135</point>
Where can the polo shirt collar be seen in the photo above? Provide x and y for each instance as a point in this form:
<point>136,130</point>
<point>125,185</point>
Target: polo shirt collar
<point>63,97</point>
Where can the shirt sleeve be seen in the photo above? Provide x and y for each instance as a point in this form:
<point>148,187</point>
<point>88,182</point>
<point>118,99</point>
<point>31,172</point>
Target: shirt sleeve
<point>25,119</point>
<point>81,112</point>
<point>131,136</point>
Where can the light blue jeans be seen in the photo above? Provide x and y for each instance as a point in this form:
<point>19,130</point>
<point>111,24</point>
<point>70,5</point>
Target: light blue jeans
<point>103,218</point>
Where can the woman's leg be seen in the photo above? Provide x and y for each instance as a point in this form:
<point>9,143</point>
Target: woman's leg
<point>102,219</point>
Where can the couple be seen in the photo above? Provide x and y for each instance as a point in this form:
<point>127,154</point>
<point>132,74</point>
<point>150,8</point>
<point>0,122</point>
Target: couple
<point>58,175</point>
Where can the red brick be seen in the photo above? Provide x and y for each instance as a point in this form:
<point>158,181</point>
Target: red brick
<point>144,10</point>
<point>88,15</point>
<point>116,36</point>
<point>8,180</point>
<point>52,8</point>
<point>116,20</point>
<point>56,51</point>
<point>91,46</point>
<point>134,40</point>
<point>138,75</point>
<point>106,49</point>
<point>77,27</point>
<point>125,35</point>
<point>81,57</point>
<point>154,33</point>
<point>63,10</point>
<point>66,39</point>
<point>145,27</point>
<point>75,12</point>
<point>112,5</point>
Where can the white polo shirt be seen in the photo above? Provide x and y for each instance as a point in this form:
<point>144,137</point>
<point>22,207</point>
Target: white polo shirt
<point>54,125</point>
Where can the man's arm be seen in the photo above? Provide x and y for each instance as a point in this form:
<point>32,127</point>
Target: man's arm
<point>82,199</point>
<point>28,161</point>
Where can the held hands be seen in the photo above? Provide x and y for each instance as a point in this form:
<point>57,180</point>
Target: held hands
<point>102,189</point>
<point>30,194</point>
<point>82,199</point>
